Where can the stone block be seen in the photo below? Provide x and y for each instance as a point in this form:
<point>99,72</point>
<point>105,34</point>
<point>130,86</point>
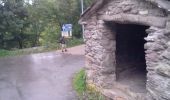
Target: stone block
<point>158,87</point>
<point>100,22</point>
<point>148,45</point>
<point>153,57</point>
<point>107,81</point>
<point>108,61</point>
<point>168,24</point>
<point>90,59</point>
<point>134,11</point>
<point>126,8</point>
<point>166,55</point>
<point>156,47</point>
<point>110,46</point>
<point>163,70</point>
<point>143,12</point>
<point>105,42</point>
<point>90,74</point>
<point>168,44</point>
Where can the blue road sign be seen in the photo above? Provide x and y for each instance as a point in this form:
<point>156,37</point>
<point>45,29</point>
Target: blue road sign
<point>67,27</point>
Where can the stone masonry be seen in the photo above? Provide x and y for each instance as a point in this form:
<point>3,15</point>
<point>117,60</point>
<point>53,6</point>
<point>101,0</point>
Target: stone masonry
<point>100,39</point>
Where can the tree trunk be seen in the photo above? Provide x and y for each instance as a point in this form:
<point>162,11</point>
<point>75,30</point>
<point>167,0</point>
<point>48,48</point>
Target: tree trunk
<point>2,41</point>
<point>20,44</point>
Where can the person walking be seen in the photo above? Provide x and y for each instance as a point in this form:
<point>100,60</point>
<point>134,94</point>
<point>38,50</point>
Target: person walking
<point>63,44</point>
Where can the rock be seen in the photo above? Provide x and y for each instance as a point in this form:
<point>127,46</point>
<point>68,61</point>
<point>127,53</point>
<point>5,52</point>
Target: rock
<point>108,71</point>
<point>143,12</point>
<point>101,32</point>
<point>164,70</point>
<point>134,11</point>
<point>105,42</point>
<point>168,44</point>
<point>108,61</point>
<point>126,8</point>
<point>166,55</point>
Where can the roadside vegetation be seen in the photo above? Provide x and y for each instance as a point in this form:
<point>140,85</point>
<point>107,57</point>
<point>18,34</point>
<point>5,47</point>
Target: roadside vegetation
<point>83,91</point>
<point>40,49</point>
<point>36,24</point>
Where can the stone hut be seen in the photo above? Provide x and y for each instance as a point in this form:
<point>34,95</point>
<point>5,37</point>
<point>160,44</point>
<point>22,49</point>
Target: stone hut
<point>128,48</point>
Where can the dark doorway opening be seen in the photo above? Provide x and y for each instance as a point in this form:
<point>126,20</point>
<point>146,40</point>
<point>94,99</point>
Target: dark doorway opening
<point>130,56</point>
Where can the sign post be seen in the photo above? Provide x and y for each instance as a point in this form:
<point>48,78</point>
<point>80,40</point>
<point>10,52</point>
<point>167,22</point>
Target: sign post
<point>82,11</point>
<point>67,30</point>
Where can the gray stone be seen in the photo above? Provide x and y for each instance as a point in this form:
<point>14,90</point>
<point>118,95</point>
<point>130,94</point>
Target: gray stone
<point>101,47</point>
<point>144,12</point>
<point>126,8</point>
<point>166,55</point>
<point>168,44</point>
<point>108,61</point>
<point>134,11</point>
<point>163,70</point>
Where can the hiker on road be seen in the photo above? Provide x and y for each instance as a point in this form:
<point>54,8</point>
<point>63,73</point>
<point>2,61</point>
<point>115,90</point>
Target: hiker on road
<point>63,45</point>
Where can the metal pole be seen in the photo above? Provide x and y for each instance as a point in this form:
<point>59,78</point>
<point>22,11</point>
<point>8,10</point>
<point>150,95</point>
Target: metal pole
<point>82,11</point>
<point>82,6</point>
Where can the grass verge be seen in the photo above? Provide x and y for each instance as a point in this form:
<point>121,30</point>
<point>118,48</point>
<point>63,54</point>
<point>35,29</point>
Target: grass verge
<point>84,93</point>
<point>79,82</point>
<point>51,47</point>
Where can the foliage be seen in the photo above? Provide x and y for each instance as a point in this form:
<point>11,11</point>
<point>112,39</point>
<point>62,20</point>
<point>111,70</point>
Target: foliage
<point>3,53</point>
<point>93,96</point>
<point>75,41</point>
<point>32,23</point>
<point>6,53</point>
<point>13,19</point>
<point>79,84</point>
<point>50,47</point>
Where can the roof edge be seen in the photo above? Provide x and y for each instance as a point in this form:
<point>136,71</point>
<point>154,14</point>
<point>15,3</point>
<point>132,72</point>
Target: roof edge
<point>92,9</point>
<point>98,4</point>
<point>164,4</point>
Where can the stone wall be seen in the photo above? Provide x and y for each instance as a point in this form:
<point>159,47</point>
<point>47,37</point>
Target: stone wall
<point>140,7</point>
<point>100,56</point>
<point>158,63</point>
<point>101,46</point>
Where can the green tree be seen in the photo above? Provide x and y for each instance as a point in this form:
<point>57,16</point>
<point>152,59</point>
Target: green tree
<point>13,22</point>
<point>30,23</point>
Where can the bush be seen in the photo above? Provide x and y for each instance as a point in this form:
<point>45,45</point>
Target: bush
<point>74,41</point>
<point>4,53</point>
<point>79,84</point>
<point>50,47</point>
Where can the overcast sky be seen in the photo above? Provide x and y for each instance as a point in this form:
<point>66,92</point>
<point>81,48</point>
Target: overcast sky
<point>28,1</point>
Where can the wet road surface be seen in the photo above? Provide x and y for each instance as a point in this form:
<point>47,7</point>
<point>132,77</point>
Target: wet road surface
<point>44,76</point>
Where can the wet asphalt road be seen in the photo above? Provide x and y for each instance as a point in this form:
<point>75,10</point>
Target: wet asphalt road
<point>45,76</point>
